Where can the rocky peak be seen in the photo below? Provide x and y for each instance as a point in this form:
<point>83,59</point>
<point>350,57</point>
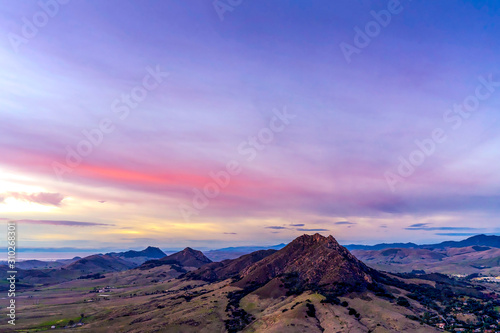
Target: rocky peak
<point>188,257</point>
<point>318,261</point>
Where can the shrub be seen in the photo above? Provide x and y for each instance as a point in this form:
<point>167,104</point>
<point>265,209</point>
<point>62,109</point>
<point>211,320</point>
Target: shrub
<point>403,302</point>
<point>311,310</point>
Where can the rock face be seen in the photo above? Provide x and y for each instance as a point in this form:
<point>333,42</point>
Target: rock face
<point>317,262</point>
<point>187,257</point>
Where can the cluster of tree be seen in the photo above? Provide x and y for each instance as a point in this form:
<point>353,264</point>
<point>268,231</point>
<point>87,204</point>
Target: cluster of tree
<point>238,318</point>
<point>92,276</point>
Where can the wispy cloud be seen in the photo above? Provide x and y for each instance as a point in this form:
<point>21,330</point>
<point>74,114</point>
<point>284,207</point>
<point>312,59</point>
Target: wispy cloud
<point>64,223</point>
<point>344,223</point>
<point>304,229</point>
<point>229,233</point>
<point>276,227</point>
<point>418,225</point>
<point>42,198</point>
<point>297,225</point>
<point>425,226</point>
<point>456,234</point>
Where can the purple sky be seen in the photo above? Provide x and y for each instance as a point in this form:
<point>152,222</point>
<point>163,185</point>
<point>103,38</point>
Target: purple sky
<point>333,165</point>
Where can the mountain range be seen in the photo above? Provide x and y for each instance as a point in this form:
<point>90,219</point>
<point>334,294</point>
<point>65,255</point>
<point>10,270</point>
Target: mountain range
<point>313,284</point>
<point>483,240</point>
<point>149,252</point>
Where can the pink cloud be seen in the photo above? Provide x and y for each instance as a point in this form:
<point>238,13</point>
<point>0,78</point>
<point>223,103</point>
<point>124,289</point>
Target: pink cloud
<point>42,198</point>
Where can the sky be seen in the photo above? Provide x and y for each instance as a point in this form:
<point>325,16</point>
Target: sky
<point>221,123</point>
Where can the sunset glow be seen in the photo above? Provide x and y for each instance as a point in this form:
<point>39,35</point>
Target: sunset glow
<point>240,133</point>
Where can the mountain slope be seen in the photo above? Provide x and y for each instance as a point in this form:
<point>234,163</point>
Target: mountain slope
<point>481,240</point>
<point>381,246</point>
<point>316,262</point>
<point>238,251</point>
<point>217,271</point>
<point>98,263</point>
<point>187,258</point>
<point>449,260</point>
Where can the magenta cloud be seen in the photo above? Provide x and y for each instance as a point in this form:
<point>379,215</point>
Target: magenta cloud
<point>42,198</point>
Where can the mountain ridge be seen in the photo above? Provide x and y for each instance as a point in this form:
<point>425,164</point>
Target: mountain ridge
<point>314,261</point>
<point>149,252</point>
<point>185,258</point>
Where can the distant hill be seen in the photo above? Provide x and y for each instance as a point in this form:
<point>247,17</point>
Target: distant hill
<point>382,246</point>
<point>35,264</point>
<point>99,263</point>
<point>188,258</point>
<point>480,240</point>
<point>476,254</point>
<point>149,252</point>
<point>447,260</point>
<point>139,257</point>
<point>68,261</point>
<point>238,251</point>
<point>41,264</point>
<point>228,268</point>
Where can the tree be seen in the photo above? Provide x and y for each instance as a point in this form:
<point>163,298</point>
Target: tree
<point>403,302</point>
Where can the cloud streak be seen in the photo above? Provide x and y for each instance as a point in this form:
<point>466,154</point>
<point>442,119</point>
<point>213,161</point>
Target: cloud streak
<point>344,223</point>
<point>425,226</point>
<point>64,223</point>
<point>42,198</point>
<point>455,234</point>
<point>311,230</point>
